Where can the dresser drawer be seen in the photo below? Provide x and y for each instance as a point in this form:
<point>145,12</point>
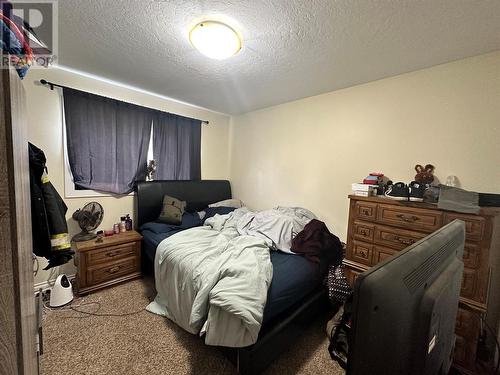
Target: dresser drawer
<point>365,210</point>
<point>467,324</point>
<point>465,352</point>
<point>470,286</point>
<point>108,272</point>
<point>111,254</point>
<point>396,238</point>
<point>351,275</point>
<point>360,252</point>
<point>472,255</point>
<point>414,218</point>
<point>381,253</point>
<point>363,231</point>
<point>474,225</point>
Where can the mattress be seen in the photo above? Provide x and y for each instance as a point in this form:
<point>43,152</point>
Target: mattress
<point>294,276</point>
<point>151,240</point>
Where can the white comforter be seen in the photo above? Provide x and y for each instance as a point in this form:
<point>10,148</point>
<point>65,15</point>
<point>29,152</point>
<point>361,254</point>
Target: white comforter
<point>279,225</point>
<point>213,280</point>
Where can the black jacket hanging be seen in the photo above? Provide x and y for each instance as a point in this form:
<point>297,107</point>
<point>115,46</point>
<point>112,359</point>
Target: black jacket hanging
<point>48,214</point>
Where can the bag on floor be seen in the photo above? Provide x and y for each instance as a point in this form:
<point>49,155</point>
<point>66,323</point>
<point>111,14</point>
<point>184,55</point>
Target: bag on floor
<point>339,334</point>
<point>339,289</point>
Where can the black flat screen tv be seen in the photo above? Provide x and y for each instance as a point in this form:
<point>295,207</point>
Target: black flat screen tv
<point>404,309</point>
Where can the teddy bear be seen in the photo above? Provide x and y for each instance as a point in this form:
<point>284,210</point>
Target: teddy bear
<point>424,174</point>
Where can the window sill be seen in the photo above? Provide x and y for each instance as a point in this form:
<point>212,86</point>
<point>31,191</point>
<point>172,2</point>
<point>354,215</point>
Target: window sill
<point>70,192</point>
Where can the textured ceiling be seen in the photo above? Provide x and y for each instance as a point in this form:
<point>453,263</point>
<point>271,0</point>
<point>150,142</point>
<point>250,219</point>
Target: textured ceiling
<point>291,48</point>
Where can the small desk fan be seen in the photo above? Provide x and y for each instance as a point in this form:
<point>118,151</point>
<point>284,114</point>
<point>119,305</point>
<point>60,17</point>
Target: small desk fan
<point>89,217</point>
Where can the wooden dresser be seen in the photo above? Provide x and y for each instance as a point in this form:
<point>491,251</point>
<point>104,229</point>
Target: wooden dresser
<point>380,227</point>
<point>100,264</point>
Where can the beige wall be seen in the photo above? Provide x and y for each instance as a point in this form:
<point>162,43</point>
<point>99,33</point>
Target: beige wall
<point>308,152</point>
<point>45,131</point>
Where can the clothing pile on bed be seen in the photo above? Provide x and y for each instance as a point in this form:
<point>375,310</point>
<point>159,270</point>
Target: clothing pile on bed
<point>215,279</point>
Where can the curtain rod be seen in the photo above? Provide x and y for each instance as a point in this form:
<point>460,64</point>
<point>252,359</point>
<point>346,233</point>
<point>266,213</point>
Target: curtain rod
<point>51,85</point>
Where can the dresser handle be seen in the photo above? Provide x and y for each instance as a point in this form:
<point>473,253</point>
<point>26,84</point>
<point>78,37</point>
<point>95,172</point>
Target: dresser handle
<point>405,241</point>
<point>363,232</point>
<point>408,219</point>
<point>365,212</point>
<point>113,253</point>
<point>363,254</point>
<point>114,269</point>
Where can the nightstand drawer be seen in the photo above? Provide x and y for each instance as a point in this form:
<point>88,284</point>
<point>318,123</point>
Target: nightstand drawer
<point>112,271</point>
<point>420,219</point>
<point>111,254</point>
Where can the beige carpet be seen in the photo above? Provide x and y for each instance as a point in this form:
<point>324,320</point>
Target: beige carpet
<point>145,343</point>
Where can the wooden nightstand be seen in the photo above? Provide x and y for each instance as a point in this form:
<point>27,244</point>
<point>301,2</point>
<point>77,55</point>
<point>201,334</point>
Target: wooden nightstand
<point>100,264</point>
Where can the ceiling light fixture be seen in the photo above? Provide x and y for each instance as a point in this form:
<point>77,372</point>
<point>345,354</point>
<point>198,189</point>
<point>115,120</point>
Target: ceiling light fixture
<point>215,39</point>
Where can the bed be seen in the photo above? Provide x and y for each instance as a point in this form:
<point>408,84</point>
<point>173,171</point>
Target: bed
<point>294,297</point>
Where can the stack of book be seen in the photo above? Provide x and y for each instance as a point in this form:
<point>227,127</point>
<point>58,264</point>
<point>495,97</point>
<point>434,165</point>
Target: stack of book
<point>374,178</point>
<point>364,190</point>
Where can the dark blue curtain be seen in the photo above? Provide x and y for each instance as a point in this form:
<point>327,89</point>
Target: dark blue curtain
<point>107,141</point>
<point>177,147</point>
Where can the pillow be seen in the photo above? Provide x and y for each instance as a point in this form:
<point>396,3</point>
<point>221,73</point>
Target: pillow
<point>190,220</point>
<point>236,203</point>
<point>212,211</point>
<point>172,210</point>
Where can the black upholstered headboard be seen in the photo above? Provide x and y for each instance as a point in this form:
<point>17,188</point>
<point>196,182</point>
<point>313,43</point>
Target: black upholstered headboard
<point>198,195</point>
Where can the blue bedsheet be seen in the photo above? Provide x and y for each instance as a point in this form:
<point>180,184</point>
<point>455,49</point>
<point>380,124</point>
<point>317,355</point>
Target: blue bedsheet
<point>293,275</point>
<point>151,240</point>
<point>155,232</point>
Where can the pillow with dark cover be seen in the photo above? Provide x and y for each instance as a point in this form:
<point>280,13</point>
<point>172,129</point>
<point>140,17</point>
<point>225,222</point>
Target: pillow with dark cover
<point>212,211</point>
<point>172,210</point>
<point>189,220</point>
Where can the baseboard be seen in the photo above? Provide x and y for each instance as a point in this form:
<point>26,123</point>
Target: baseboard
<point>45,285</point>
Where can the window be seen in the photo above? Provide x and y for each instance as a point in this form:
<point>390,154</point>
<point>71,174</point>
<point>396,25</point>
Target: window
<point>109,142</point>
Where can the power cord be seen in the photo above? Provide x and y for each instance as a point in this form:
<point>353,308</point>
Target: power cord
<point>493,334</point>
<point>87,314</point>
<point>51,280</point>
<point>102,314</point>
<point>496,341</point>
